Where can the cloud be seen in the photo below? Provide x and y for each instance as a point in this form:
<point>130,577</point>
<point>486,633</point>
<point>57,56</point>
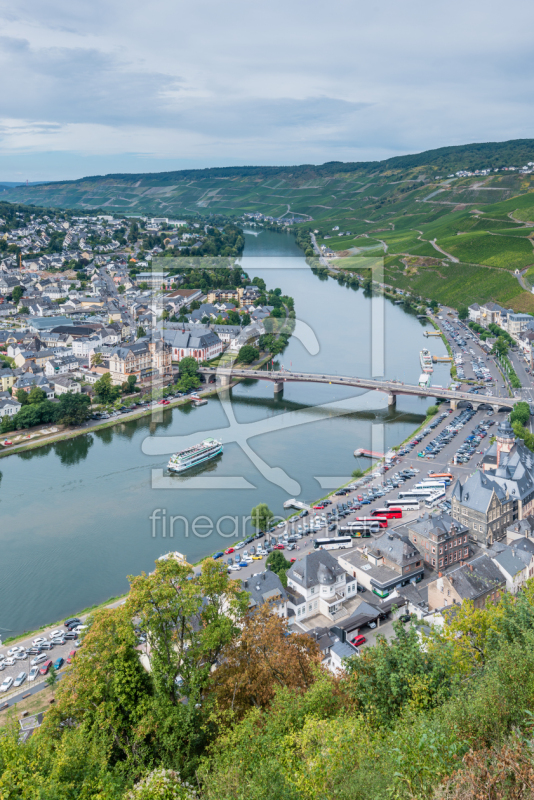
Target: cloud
<point>255,83</point>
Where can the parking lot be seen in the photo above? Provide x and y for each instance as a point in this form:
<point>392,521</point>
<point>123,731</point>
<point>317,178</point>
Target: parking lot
<point>30,657</point>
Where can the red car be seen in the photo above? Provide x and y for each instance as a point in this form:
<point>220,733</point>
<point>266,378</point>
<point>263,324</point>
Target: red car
<point>279,547</point>
<point>358,640</point>
<point>230,550</point>
<point>292,560</point>
<point>71,656</point>
<point>46,666</point>
<point>321,506</point>
<point>164,402</point>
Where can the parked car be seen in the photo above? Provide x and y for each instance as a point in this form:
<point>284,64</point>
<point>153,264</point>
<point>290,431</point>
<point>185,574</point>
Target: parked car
<point>71,656</point>
<point>34,672</point>
<point>39,660</point>
<point>58,663</point>
<point>6,684</point>
<point>358,640</point>
<point>19,680</point>
<point>46,666</point>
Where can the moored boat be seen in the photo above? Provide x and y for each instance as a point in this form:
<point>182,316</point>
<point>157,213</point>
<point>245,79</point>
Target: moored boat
<point>195,455</point>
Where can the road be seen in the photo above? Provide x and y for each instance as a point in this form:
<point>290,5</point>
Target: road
<point>390,387</point>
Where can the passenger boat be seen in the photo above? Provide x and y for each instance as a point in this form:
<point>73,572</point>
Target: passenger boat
<point>426,360</point>
<point>199,401</point>
<point>424,381</point>
<point>195,455</point>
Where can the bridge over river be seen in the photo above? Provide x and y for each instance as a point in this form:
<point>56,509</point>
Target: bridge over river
<point>390,387</point>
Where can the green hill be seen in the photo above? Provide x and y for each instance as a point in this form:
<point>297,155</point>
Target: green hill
<point>406,206</point>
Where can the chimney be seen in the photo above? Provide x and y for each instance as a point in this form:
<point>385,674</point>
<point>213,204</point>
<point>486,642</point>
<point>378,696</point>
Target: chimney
<point>245,584</point>
<point>440,574</point>
<point>264,574</point>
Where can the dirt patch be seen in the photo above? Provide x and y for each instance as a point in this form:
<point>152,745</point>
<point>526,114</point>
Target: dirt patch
<point>422,261</point>
<point>459,207</point>
<point>344,254</point>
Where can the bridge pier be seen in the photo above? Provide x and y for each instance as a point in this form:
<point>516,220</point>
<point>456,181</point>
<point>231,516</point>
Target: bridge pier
<point>454,404</point>
<point>278,387</point>
<point>224,380</point>
<point>392,400</point>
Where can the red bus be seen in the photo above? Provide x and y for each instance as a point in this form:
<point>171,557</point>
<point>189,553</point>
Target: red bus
<point>436,476</point>
<point>388,513</point>
<point>382,520</point>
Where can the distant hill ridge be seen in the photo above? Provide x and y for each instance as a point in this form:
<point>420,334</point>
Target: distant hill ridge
<point>514,152</point>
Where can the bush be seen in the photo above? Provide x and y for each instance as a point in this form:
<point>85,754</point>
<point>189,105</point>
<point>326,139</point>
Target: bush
<point>431,410</point>
<point>247,354</point>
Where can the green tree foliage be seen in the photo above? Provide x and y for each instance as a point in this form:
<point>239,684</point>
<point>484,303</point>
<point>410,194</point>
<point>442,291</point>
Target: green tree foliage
<point>17,293</point>
<point>520,413</point>
<point>431,410</point>
<point>278,563</point>
<point>247,354</point>
<point>463,312</point>
<point>500,346</point>
<point>261,516</point>
<point>141,333</point>
<point>104,391</point>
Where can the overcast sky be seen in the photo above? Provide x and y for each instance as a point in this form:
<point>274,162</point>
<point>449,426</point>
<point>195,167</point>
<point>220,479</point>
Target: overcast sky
<point>116,86</point>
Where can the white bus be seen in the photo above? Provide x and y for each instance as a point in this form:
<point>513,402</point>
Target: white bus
<point>416,494</point>
<point>406,505</point>
<point>435,498</point>
<point>336,543</point>
<point>428,484</point>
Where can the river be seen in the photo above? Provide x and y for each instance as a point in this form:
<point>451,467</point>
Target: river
<point>76,516</point>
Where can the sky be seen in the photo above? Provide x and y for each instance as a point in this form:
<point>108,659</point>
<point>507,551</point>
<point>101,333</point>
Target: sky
<point>115,86</point>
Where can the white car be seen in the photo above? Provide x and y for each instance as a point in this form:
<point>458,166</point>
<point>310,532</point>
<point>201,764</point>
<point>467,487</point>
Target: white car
<point>14,650</point>
<point>19,680</point>
<point>39,640</point>
<point>6,684</point>
<point>248,559</point>
<point>34,672</point>
<point>21,655</point>
<point>233,568</point>
<point>57,632</point>
<point>10,661</point>
<point>239,545</point>
<point>281,525</point>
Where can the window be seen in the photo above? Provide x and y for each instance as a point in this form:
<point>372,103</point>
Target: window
<point>441,562</point>
<point>313,590</point>
<point>310,607</point>
<point>465,538</point>
<point>433,549</point>
<point>466,551</point>
<point>433,562</point>
<point>441,551</point>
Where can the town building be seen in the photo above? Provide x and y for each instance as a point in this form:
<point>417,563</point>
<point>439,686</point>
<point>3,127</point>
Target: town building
<point>480,581</point>
<point>442,540</point>
<point>318,584</point>
<point>391,561</point>
<point>144,359</point>
<point>267,588</point>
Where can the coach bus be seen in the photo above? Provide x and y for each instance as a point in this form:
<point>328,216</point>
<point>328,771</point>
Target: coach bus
<point>395,512</point>
<point>335,543</point>
<point>404,505</point>
<point>434,499</point>
<point>416,494</point>
<point>444,476</point>
<point>382,521</point>
<point>434,485</point>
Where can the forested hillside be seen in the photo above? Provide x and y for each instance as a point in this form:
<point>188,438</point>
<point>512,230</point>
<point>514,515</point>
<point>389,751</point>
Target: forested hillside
<point>235,708</point>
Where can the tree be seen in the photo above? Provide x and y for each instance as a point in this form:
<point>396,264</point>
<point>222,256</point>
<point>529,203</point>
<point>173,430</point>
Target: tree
<point>37,395</point>
<point>24,310</point>
<point>431,410</point>
<point>51,678</point>
<point>131,380</point>
<point>188,366</point>
<point>121,289</point>
<point>261,516</point>
<point>187,620</point>
<point>97,359</point>
<point>233,317</point>
<point>500,346</point>
<point>17,293</point>
<point>463,312</point>
<point>263,659</point>
<point>105,392</point>
<point>278,563</point>
<point>205,320</point>
<point>247,354</point>
<point>141,333</point>
<point>357,473</point>
<point>520,413</point>
<point>22,397</point>
<point>277,313</point>
<point>245,319</point>
<point>73,409</point>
